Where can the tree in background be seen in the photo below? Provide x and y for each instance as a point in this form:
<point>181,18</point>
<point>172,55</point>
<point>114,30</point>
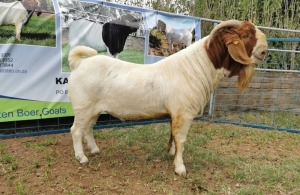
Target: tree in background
<point>275,13</point>
<point>271,13</point>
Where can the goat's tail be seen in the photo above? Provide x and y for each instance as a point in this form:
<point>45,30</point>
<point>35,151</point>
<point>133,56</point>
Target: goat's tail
<point>76,54</point>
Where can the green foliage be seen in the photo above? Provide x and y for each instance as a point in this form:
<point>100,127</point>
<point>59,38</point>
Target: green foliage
<point>275,13</point>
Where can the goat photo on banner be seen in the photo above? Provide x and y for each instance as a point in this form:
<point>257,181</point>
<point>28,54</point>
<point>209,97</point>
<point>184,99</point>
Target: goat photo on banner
<point>30,22</point>
<point>110,31</point>
<point>169,35</point>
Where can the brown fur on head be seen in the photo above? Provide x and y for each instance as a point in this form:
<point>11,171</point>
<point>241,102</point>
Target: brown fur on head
<point>231,46</point>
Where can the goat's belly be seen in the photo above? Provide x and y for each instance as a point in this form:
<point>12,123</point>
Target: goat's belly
<point>128,114</point>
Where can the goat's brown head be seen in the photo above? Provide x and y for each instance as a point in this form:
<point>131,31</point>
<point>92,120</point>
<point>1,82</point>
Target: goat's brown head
<point>236,46</point>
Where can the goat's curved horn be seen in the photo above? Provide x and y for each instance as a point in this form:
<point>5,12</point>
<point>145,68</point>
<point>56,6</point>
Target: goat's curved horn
<point>228,23</point>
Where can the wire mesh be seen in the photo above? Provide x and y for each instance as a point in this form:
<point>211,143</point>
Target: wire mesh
<point>272,101</point>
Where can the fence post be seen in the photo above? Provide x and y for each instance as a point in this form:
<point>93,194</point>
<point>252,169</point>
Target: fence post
<point>211,104</point>
<point>212,95</point>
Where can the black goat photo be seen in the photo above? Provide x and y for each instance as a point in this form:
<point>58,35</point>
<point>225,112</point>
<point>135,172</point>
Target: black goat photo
<point>115,32</point>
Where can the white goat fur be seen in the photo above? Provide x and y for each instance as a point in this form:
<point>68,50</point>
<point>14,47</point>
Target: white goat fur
<point>84,32</point>
<point>13,14</point>
<point>178,86</point>
<point>184,36</point>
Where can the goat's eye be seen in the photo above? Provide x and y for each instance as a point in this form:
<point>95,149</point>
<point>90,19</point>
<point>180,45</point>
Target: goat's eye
<point>245,36</point>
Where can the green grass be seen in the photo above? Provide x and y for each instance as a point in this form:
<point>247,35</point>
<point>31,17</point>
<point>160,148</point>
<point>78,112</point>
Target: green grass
<point>7,160</point>
<point>20,188</point>
<point>39,26</point>
<point>134,56</point>
<point>41,145</point>
<point>279,119</point>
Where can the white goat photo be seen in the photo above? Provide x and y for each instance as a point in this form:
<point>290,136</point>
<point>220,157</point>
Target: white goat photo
<point>178,86</point>
<point>184,36</point>
<point>169,36</point>
<point>13,14</point>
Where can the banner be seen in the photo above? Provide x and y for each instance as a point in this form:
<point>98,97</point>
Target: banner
<point>34,47</point>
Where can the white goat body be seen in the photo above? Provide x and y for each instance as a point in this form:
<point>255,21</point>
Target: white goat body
<point>13,14</point>
<point>178,86</point>
<point>184,36</point>
<point>154,88</point>
<point>84,32</point>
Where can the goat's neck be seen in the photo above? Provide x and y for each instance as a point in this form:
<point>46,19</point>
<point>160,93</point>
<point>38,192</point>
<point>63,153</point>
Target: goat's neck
<point>200,67</point>
<point>198,71</point>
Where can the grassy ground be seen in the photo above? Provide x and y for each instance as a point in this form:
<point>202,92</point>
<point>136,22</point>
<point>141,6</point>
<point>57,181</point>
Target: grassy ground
<point>39,31</point>
<point>220,159</point>
<point>279,119</point>
<point>135,56</point>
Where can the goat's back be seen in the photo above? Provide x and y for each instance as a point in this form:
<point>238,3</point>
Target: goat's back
<point>12,13</point>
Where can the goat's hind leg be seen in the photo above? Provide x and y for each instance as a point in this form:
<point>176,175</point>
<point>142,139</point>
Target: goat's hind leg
<point>171,145</point>
<point>81,123</point>
<point>88,135</point>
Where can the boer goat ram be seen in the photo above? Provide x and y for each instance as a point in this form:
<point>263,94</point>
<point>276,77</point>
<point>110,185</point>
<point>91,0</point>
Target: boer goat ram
<point>14,14</point>
<point>178,86</point>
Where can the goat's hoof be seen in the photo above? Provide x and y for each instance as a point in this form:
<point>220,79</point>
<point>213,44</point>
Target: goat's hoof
<point>95,150</point>
<point>172,151</point>
<point>181,171</point>
<point>82,159</point>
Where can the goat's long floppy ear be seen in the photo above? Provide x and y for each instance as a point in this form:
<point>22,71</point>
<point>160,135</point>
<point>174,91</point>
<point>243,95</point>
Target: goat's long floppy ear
<point>237,50</point>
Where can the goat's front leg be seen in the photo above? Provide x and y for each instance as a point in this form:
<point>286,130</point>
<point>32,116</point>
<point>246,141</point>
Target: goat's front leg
<point>180,128</point>
<point>18,31</point>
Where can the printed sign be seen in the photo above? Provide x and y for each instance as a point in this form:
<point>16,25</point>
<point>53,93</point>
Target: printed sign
<point>36,36</point>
